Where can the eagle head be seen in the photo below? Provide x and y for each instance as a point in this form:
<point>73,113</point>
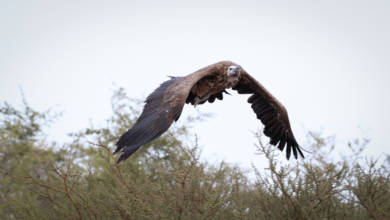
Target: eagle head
<point>234,71</point>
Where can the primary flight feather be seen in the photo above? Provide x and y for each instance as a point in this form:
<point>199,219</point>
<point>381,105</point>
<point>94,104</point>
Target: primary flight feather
<point>165,104</point>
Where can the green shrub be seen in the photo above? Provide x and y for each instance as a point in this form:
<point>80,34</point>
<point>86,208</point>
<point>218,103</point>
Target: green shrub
<point>166,179</point>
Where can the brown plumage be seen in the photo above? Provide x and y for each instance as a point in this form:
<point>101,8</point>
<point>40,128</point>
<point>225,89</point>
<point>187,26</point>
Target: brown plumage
<point>166,103</point>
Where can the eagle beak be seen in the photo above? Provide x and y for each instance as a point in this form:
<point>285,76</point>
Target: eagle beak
<point>234,71</point>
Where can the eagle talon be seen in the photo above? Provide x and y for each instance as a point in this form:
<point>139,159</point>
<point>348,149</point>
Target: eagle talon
<point>198,100</point>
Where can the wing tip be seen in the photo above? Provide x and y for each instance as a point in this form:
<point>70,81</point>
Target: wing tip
<point>291,146</point>
<point>121,143</point>
<point>296,151</point>
<point>121,158</point>
<point>127,152</point>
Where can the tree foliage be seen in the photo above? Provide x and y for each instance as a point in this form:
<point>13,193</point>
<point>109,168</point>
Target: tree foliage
<point>166,179</point>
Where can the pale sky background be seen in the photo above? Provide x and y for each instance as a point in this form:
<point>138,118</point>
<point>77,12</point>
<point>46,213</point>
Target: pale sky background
<point>328,62</point>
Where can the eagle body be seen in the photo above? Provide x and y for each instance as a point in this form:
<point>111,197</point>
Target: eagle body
<point>165,104</point>
<point>215,82</point>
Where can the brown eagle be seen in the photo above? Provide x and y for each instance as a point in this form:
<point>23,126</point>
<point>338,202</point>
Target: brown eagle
<point>166,103</point>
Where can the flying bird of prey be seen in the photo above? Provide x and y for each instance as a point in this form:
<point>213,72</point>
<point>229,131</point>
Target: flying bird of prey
<point>165,104</point>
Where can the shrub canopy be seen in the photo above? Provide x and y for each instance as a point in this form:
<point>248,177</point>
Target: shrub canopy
<point>166,180</point>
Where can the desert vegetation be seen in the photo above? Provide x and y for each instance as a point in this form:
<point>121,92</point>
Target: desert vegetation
<point>167,180</point>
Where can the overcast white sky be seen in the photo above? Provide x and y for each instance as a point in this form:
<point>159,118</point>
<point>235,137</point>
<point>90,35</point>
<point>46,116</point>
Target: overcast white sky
<point>328,62</point>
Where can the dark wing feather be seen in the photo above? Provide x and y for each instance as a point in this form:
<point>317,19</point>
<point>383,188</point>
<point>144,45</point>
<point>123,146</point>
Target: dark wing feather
<point>162,108</point>
<point>157,116</point>
<point>271,113</point>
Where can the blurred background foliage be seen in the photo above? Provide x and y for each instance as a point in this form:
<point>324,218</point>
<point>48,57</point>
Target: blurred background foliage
<point>166,179</point>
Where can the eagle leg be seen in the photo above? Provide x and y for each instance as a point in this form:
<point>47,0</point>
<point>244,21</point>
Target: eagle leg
<point>199,100</point>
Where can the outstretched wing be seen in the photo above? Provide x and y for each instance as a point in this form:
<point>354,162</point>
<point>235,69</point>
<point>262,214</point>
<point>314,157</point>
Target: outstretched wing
<point>162,108</point>
<point>271,113</point>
